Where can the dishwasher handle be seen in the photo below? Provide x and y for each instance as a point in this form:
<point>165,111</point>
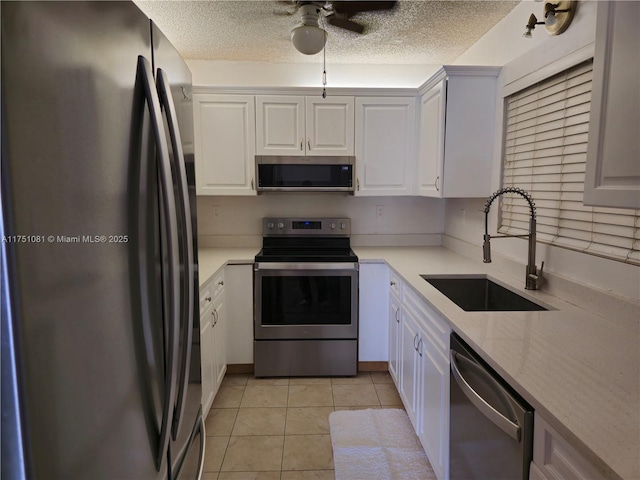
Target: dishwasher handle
<point>509,427</point>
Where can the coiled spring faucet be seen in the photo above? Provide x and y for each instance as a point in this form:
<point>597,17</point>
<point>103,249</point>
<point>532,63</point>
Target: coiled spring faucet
<point>534,278</point>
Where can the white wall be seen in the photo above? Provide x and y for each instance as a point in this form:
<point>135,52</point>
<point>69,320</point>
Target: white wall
<point>234,221</point>
<point>525,62</point>
<point>263,74</point>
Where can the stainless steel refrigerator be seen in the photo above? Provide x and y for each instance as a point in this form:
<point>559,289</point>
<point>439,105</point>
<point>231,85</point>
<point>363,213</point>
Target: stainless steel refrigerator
<point>100,323</point>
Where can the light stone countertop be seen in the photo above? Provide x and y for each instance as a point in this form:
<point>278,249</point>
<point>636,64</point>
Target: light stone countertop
<point>580,371</point>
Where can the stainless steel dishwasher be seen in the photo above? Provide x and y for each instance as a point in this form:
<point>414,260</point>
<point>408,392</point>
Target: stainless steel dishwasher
<point>491,426</point>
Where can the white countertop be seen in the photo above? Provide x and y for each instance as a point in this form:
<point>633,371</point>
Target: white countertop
<point>578,370</point>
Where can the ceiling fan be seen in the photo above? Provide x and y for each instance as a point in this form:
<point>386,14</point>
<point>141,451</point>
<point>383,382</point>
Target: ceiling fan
<point>310,39</point>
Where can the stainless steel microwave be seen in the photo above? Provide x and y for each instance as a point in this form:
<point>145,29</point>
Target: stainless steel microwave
<point>305,174</point>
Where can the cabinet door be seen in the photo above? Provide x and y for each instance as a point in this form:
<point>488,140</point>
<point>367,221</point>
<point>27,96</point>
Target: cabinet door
<point>206,359</point>
<point>433,414</point>
<point>613,152</point>
<point>373,325</point>
<point>280,125</point>
<point>329,126</point>
<point>225,144</point>
<point>219,343</point>
<point>394,339</point>
<point>239,313</point>
<point>409,336</point>
<point>385,145</point>
<point>431,155</point>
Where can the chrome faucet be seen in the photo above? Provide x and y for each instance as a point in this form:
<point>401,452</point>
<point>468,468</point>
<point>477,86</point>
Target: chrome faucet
<point>534,278</point>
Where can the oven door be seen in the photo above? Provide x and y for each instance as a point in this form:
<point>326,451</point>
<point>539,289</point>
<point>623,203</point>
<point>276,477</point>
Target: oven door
<point>306,300</point>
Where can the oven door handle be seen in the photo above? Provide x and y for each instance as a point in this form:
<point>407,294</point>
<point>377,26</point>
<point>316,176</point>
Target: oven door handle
<point>349,266</point>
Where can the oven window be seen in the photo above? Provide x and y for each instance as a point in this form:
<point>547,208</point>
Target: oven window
<point>306,300</point>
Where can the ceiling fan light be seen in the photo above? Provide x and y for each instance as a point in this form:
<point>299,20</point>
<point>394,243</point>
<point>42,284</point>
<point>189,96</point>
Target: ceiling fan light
<point>308,39</point>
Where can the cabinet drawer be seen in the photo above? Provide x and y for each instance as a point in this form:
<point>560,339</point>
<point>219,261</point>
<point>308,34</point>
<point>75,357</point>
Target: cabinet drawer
<point>437,328</point>
<point>555,458</point>
<point>395,285</point>
<point>211,290</point>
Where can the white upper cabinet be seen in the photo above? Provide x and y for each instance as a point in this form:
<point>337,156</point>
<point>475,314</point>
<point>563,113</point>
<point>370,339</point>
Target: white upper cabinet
<point>385,145</point>
<point>457,132</point>
<point>613,152</point>
<point>297,125</point>
<point>224,132</point>
<point>329,125</point>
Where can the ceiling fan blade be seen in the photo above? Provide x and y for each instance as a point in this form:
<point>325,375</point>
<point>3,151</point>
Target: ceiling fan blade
<point>357,6</point>
<point>345,23</point>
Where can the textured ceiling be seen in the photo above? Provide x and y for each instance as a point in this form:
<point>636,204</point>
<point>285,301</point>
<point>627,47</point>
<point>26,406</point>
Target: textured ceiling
<point>417,32</point>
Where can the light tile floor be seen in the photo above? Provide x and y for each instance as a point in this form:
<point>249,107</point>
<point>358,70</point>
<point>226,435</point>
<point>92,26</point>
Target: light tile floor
<point>278,428</point>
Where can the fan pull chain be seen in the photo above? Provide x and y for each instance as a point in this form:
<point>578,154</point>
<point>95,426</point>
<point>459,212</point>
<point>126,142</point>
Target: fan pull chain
<point>324,61</point>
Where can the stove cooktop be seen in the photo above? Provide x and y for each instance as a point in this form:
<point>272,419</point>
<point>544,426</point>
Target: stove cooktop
<point>287,254</point>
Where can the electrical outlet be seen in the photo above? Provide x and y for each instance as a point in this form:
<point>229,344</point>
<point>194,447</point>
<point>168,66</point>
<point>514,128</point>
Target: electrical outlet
<point>379,211</point>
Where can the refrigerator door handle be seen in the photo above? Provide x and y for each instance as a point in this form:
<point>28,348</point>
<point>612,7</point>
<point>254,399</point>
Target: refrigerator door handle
<point>505,424</point>
<point>170,217</point>
<point>203,443</point>
<point>187,300</point>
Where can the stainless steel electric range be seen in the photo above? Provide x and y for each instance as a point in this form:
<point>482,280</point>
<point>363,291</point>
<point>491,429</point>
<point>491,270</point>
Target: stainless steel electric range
<point>306,299</point>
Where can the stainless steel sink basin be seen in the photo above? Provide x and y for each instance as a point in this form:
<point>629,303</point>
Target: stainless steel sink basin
<point>476,293</point>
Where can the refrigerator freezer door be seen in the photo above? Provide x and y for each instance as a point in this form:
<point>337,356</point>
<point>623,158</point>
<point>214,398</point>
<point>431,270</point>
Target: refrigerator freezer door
<point>92,371</point>
<point>173,75</point>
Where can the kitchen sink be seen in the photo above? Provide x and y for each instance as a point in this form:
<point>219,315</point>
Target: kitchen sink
<point>476,293</point>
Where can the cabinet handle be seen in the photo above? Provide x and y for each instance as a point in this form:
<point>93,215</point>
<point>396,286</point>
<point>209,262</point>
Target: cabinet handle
<point>415,339</point>
<point>358,184</point>
<point>302,144</point>
<point>309,144</point>
<point>420,347</point>
<point>398,315</point>
<point>438,183</point>
<point>215,317</point>
<point>252,183</point>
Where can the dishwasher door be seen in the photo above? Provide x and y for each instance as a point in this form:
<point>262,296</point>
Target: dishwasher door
<point>491,426</point>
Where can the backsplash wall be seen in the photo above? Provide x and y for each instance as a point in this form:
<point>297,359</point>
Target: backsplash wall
<point>237,221</point>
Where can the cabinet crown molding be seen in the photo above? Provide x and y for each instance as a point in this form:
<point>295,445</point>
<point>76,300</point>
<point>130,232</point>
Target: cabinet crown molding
<point>458,70</point>
<point>307,91</point>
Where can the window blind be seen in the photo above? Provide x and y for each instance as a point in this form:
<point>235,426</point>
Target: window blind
<point>545,154</point>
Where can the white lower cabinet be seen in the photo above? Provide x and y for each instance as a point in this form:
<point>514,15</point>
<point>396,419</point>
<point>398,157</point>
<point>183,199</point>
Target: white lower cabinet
<point>373,334</point>
<point>419,366</point>
<point>394,338</point>
<point>555,459</point>
<point>219,342</point>
<point>206,358</point>
<point>409,365</point>
<point>433,423</point>
<point>239,313</point>
<point>213,364</point>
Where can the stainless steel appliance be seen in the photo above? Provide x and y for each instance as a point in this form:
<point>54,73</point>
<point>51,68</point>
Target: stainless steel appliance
<point>306,299</point>
<point>491,426</point>
<point>305,174</point>
<point>100,367</point>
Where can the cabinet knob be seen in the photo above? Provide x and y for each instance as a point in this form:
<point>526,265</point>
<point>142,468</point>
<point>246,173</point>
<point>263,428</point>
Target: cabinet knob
<point>392,283</point>
<point>221,282</point>
<point>208,299</point>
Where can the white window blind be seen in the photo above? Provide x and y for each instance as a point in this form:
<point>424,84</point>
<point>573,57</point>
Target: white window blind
<point>545,154</point>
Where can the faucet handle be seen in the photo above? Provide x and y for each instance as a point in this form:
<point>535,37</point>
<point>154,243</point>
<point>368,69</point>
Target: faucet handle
<point>535,281</point>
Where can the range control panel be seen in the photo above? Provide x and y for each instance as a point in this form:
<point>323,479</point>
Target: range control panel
<point>306,226</point>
